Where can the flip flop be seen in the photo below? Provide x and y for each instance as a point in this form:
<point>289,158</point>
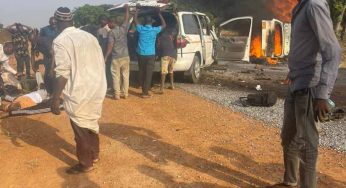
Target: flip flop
<point>78,169</point>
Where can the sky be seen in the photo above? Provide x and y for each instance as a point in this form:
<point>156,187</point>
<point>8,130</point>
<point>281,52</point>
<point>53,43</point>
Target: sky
<point>36,13</point>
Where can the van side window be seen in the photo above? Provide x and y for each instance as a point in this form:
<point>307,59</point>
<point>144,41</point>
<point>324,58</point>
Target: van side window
<point>236,28</point>
<point>191,25</point>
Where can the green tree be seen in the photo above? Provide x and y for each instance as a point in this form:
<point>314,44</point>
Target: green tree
<point>89,15</point>
<point>337,9</point>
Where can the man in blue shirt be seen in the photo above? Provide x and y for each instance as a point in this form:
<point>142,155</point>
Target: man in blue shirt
<point>147,35</point>
<point>50,30</point>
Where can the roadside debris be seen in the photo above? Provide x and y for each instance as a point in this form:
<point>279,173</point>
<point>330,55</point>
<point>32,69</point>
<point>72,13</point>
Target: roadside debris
<point>258,88</point>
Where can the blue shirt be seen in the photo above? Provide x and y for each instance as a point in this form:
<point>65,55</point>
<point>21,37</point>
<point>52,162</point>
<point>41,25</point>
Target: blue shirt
<point>49,32</point>
<point>146,39</point>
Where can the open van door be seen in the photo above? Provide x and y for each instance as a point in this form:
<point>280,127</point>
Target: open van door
<point>234,39</point>
<point>287,38</point>
<point>206,38</point>
<point>273,38</point>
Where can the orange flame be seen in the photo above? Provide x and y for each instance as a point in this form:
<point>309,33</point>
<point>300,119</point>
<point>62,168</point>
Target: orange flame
<point>256,47</point>
<point>282,9</point>
<point>271,61</point>
<point>277,41</point>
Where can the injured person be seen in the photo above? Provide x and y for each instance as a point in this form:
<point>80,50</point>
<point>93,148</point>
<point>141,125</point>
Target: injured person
<point>32,103</point>
<point>7,73</point>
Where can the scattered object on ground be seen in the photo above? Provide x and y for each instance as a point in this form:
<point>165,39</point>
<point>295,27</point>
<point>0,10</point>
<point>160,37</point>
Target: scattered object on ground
<point>333,133</point>
<point>265,99</point>
<point>28,85</point>
<point>247,71</point>
<point>262,78</point>
<point>258,88</point>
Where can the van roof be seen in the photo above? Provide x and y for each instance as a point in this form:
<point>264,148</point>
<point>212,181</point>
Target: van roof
<point>187,12</point>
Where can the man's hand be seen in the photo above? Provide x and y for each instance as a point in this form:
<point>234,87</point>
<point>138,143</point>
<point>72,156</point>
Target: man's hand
<point>157,10</point>
<point>321,109</point>
<point>55,106</point>
<point>287,81</point>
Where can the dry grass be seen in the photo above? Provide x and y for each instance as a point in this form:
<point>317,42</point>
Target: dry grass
<point>343,61</point>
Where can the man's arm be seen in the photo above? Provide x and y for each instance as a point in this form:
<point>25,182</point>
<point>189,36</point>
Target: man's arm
<point>163,22</point>
<point>321,24</point>
<point>63,70</point>
<point>110,45</point>
<point>135,19</point>
<point>32,59</point>
<point>8,68</point>
<point>127,15</point>
<point>12,28</point>
<point>27,28</point>
<point>59,85</point>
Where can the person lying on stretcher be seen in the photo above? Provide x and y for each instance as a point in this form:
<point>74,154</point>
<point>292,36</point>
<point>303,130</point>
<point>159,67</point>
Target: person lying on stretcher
<point>30,99</point>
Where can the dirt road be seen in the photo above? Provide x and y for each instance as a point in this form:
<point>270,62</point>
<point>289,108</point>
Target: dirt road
<point>173,140</point>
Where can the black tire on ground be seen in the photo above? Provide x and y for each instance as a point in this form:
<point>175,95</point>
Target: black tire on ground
<point>195,70</point>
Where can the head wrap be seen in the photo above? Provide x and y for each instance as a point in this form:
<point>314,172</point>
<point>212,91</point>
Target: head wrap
<point>63,14</point>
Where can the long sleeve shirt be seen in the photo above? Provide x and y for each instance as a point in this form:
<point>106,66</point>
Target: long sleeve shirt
<point>4,60</point>
<point>315,53</point>
<point>79,59</point>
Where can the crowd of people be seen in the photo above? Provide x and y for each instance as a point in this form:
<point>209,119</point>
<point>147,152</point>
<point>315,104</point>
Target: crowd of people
<point>68,54</point>
<point>75,62</point>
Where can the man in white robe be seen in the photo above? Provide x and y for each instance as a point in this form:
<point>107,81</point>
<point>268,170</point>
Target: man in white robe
<point>81,80</point>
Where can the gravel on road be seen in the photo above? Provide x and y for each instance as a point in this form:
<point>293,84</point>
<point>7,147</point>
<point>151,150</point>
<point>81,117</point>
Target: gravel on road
<point>332,134</point>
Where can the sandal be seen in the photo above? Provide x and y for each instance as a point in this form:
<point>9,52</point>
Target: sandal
<point>78,169</point>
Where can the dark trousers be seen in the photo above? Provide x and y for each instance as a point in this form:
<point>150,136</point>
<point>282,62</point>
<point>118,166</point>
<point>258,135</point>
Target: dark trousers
<point>21,61</point>
<point>87,145</point>
<point>300,139</point>
<point>146,68</point>
<point>109,77</point>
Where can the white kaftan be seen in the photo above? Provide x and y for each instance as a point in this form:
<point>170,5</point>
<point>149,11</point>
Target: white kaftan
<point>79,59</point>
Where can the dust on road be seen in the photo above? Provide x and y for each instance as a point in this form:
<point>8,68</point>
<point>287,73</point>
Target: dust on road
<point>171,140</point>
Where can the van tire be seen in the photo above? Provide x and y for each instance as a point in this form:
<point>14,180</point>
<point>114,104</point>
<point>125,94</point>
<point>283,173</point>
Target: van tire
<point>195,70</point>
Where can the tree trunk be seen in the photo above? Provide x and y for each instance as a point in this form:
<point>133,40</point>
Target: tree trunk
<point>339,21</point>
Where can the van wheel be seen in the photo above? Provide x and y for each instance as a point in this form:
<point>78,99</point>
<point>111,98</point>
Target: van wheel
<point>195,70</point>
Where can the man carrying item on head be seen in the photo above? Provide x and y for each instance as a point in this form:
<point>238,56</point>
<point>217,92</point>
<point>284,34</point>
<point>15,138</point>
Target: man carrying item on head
<point>168,54</point>
<point>20,34</point>
<point>313,67</point>
<point>50,30</point>
<point>102,33</point>
<point>117,46</point>
<point>146,49</point>
<point>102,37</point>
<point>82,81</point>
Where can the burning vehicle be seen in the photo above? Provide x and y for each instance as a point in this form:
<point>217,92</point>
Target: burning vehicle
<point>199,45</point>
<point>239,39</point>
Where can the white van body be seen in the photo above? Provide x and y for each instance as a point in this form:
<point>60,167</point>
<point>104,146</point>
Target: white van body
<point>196,32</point>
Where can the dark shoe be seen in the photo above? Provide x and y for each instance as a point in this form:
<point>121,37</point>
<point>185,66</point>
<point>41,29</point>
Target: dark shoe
<point>146,96</point>
<point>280,185</point>
<point>78,169</point>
